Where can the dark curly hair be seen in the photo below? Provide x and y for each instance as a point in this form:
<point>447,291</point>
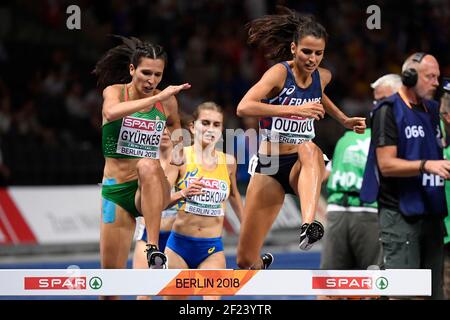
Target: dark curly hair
<point>274,33</point>
<point>113,67</point>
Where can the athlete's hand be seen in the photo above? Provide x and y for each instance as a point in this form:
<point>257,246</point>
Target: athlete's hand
<point>172,90</point>
<point>311,110</point>
<point>195,188</point>
<point>438,167</point>
<point>356,124</point>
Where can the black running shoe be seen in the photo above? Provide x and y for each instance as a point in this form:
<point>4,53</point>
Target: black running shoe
<point>310,233</point>
<point>267,259</point>
<point>155,258</point>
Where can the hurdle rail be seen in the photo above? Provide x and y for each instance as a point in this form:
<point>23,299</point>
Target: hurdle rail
<point>226,282</point>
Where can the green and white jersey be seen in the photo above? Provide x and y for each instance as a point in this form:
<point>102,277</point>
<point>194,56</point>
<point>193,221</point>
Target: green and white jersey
<point>347,171</point>
<point>135,136</point>
<point>447,189</point>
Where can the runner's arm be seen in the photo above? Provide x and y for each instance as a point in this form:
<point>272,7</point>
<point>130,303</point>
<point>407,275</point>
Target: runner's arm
<point>113,109</point>
<point>235,197</point>
<point>270,85</point>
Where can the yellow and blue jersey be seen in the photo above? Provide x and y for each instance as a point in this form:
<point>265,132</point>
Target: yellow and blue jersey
<point>217,186</point>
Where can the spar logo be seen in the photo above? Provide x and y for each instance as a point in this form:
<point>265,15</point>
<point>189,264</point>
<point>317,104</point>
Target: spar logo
<point>61,283</point>
<point>382,283</point>
<point>95,283</point>
<point>159,126</point>
<point>143,124</point>
<point>211,183</point>
<point>55,283</point>
<point>223,186</point>
<point>342,283</point>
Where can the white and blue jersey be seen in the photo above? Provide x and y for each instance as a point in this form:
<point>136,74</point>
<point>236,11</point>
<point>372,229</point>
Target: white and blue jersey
<point>293,129</point>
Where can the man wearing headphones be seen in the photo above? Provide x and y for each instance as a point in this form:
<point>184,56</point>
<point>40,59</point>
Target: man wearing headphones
<point>405,172</point>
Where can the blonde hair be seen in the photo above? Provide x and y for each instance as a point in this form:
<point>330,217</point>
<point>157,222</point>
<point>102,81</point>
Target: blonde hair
<point>208,105</point>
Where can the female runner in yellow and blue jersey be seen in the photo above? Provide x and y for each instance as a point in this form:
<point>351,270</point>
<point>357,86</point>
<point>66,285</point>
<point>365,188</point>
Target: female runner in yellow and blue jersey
<point>196,238</point>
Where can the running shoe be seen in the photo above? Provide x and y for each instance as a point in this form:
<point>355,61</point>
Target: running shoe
<point>267,259</point>
<point>155,258</point>
<point>310,233</point>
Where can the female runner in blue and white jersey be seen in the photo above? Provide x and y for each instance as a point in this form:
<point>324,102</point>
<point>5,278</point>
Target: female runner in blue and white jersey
<point>287,99</point>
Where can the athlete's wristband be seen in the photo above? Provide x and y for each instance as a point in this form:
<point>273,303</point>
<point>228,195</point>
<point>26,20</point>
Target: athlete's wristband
<point>422,166</point>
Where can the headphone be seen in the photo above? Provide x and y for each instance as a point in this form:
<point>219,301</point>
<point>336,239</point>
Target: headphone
<point>409,76</point>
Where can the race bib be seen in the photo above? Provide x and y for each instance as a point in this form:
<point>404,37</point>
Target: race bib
<point>209,203</point>
<point>291,130</point>
<point>140,137</point>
